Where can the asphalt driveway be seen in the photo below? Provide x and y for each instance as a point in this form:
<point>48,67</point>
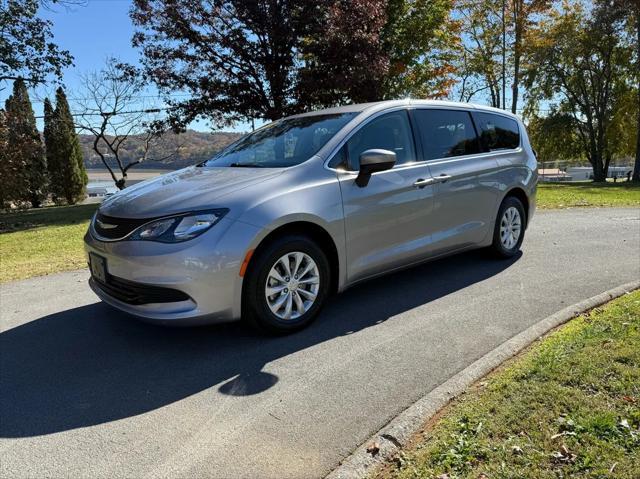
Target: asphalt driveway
<point>87,392</point>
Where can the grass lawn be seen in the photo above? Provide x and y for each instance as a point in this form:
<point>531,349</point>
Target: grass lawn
<point>564,195</point>
<point>567,407</point>
<point>42,241</point>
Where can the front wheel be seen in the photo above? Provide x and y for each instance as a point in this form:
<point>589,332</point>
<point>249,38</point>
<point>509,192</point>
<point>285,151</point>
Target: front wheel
<point>509,229</point>
<point>287,285</point>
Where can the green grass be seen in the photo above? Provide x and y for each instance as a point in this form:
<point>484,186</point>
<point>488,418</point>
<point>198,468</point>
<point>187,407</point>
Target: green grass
<point>42,241</point>
<point>565,195</point>
<point>567,407</point>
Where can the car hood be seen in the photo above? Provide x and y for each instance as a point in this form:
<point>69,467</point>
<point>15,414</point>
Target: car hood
<point>189,189</point>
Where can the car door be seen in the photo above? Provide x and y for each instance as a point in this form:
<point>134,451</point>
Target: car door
<point>466,190</point>
<point>386,221</point>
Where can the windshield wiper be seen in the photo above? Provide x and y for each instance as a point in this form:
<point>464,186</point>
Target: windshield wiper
<point>245,165</point>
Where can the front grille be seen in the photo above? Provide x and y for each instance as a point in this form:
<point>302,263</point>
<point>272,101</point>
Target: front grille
<point>112,228</point>
<point>137,293</point>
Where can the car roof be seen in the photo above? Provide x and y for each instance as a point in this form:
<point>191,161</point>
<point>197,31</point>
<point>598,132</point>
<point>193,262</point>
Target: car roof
<point>381,105</point>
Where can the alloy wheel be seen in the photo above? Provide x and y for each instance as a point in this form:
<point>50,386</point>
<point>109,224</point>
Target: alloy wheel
<point>292,285</point>
<point>510,227</point>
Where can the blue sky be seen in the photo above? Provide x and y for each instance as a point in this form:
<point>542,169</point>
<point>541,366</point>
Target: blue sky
<point>92,33</point>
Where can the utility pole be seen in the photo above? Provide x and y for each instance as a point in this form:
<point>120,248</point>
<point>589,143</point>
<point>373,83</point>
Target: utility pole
<point>504,49</point>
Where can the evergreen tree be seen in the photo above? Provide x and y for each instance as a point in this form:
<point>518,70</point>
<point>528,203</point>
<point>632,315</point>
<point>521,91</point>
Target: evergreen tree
<point>4,166</point>
<point>68,170</point>
<point>28,165</point>
<point>14,179</point>
<point>54,166</point>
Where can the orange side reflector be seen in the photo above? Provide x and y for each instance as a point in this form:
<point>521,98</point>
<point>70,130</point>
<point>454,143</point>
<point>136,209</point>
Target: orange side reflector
<point>245,263</point>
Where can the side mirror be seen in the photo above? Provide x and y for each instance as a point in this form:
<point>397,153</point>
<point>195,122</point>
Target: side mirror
<point>372,161</point>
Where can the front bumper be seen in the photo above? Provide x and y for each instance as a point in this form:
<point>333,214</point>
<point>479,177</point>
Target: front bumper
<point>206,269</point>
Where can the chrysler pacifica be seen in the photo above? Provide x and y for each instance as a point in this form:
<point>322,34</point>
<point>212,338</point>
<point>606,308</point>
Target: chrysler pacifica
<point>312,204</point>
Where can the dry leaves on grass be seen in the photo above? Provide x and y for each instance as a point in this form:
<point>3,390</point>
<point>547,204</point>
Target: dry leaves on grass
<point>564,455</point>
<point>373,448</point>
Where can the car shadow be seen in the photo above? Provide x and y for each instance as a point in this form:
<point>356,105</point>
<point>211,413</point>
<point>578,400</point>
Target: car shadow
<point>91,365</point>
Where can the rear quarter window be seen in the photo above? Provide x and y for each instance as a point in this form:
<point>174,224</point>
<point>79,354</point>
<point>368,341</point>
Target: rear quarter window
<point>497,132</point>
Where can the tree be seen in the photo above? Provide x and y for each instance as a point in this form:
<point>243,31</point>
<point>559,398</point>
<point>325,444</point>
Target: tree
<point>50,135</point>
<point>368,50</point>
<point>485,62</point>
<point>28,173</point>
<point>345,60</point>
<point>579,60</point>
<point>629,11</point>
<point>67,172</point>
<point>622,133</point>
<point>421,41</point>
<point>236,59</point>
<point>480,61</point>
<point>555,137</point>
<point>26,48</point>
<point>468,82</point>
<point>111,110</point>
<point>5,173</point>
<point>524,14</point>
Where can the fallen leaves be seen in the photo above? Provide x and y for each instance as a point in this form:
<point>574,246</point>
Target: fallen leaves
<point>398,459</point>
<point>373,448</point>
<point>564,455</point>
<point>516,450</point>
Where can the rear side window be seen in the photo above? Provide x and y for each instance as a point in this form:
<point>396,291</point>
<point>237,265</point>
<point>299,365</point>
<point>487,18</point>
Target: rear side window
<point>446,133</point>
<point>497,132</point>
<point>389,132</point>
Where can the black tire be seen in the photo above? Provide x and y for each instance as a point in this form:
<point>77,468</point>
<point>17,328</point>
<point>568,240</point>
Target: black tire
<point>255,310</point>
<point>497,247</point>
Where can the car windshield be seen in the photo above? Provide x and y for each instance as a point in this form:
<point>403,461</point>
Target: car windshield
<point>283,143</point>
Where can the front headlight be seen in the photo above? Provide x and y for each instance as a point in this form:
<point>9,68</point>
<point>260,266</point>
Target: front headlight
<point>178,228</point>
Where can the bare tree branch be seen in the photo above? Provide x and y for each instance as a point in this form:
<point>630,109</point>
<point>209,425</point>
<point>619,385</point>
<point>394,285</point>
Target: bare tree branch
<point>113,95</point>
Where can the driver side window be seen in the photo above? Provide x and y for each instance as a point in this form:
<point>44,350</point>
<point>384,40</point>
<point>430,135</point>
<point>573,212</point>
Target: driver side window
<point>388,132</point>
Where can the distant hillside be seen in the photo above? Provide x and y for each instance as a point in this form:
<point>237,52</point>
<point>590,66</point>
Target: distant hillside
<point>192,147</point>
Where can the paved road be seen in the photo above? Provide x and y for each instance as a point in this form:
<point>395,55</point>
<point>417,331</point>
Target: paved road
<point>85,392</point>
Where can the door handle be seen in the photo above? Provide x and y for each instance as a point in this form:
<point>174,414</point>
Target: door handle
<point>422,182</point>
<point>442,178</point>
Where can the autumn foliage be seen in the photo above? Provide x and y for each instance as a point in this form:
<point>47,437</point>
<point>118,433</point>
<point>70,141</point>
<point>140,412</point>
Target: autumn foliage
<point>239,60</point>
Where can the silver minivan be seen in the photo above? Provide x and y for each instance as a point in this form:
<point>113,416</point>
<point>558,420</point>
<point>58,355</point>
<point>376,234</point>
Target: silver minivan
<point>310,205</point>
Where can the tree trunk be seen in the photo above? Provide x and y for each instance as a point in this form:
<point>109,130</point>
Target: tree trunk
<point>636,167</point>
<point>504,53</point>
<point>598,173</point>
<point>493,96</point>
<point>516,54</point>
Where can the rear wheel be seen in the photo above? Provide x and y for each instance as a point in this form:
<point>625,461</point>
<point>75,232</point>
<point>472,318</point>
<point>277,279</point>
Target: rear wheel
<point>286,285</point>
<point>509,229</point>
